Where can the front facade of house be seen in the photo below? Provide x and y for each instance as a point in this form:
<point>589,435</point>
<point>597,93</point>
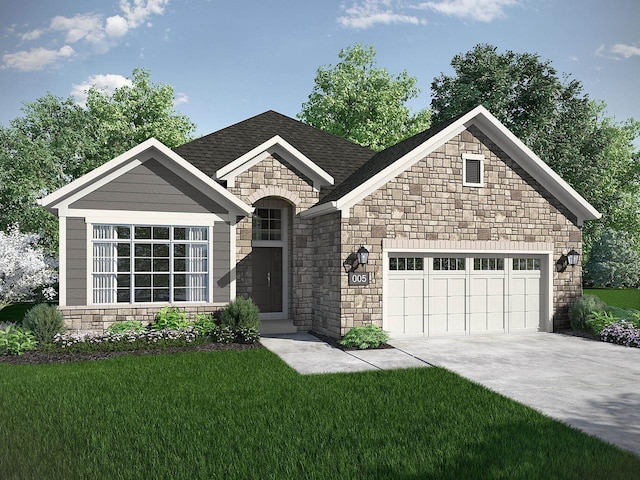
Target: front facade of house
<point>467,231</point>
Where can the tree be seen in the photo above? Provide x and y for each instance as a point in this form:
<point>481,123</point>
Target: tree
<point>614,262</point>
<point>24,268</point>
<point>56,140</point>
<point>363,103</point>
<point>553,117</point>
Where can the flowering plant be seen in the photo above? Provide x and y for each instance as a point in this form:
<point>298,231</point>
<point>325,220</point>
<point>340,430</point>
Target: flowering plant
<point>622,333</point>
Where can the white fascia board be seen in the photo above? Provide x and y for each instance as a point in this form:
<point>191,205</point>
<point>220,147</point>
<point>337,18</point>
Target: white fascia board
<point>535,166</point>
<point>278,145</point>
<point>403,163</point>
<point>127,161</point>
<point>97,172</point>
<point>318,210</point>
<point>146,217</point>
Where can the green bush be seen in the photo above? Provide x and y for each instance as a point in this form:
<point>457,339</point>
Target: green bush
<point>128,326</point>
<point>365,336</point>
<point>247,335</point>
<point>16,341</point>
<point>580,311</point>
<point>597,321</point>
<point>222,334</point>
<point>44,321</point>
<point>204,324</point>
<point>170,318</point>
<point>241,313</point>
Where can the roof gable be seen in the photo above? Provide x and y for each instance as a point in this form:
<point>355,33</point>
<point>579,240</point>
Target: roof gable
<point>62,198</point>
<point>334,156</point>
<point>396,159</point>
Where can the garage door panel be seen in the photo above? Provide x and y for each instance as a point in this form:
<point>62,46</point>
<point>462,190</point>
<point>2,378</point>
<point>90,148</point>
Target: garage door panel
<point>478,304</point>
<point>495,304</point>
<point>396,306</point>
<point>439,287</point>
<point>395,324</point>
<point>413,306</point>
<point>395,287</point>
<point>517,303</point>
<point>414,288</point>
<point>438,305</point>
<point>457,323</point>
<point>495,322</point>
<point>479,287</point>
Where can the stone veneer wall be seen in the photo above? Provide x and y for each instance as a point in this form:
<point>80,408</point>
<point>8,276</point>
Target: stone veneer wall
<point>428,201</point>
<point>275,178</point>
<point>327,275</point>
<point>98,319</point>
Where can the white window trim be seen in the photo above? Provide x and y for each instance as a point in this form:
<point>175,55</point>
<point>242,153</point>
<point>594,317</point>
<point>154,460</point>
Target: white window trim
<point>140,222</point>
<point>472,156</point>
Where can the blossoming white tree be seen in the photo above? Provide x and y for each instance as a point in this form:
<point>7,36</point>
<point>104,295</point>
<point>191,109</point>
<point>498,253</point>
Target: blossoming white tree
<point>24,267</point>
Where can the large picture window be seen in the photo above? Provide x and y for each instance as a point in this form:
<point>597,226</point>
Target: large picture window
<point>140,264</point>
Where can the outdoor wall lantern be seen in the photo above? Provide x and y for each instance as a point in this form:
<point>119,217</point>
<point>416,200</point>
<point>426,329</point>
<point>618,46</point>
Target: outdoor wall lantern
<point>573,257</point>
<point>363,255</point>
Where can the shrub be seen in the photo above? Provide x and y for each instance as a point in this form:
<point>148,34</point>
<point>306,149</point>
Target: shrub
<point>622,333</point>
<point>222,334</point>
<point>170,318</point>
<point>45,321</point>
<point>580,311</point>
<point>128,326</point>
<point>16,341</point>
<point>598,320</point>
<point>204,324</point>
<point>247,335</point>
<point>366,336</point>
<point>239,313</point>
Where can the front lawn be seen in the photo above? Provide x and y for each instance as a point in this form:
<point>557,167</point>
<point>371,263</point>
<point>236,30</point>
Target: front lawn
<point>617,297</point>
<point>248,415</point>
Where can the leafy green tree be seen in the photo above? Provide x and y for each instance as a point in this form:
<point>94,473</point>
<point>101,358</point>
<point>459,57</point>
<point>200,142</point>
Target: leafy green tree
<point>56,141</point>
<point>553,117</point>
<point>361,102</point>
<point>614,262</point>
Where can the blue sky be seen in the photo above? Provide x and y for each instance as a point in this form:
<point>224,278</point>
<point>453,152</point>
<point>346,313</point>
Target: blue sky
<point>229,60</point>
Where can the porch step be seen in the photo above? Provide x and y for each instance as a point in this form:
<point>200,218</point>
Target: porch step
<point>270,327</point>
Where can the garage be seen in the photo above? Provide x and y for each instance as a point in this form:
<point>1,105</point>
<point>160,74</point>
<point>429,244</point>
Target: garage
<point>464,294</point>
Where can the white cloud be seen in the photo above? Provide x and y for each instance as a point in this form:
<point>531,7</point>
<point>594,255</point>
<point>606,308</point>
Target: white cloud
<point>116,26</point>
<point>477,10</point>
<point>93,29</point>
<point>79,27</point>
<point>180,99</point>
<point>105,83</point>
<point>367,13</point>
<point>35,59</point>
<point>32,35</point>
<point>619,51</point>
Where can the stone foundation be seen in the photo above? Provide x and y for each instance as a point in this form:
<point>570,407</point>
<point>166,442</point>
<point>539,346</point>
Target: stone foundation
<point>98,319</point>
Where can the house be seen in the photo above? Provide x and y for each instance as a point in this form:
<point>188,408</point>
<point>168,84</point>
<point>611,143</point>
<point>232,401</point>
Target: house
<point>467,231</point>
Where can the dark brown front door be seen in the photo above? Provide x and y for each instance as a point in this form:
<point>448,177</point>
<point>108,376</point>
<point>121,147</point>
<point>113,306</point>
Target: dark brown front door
<point>266,277</point>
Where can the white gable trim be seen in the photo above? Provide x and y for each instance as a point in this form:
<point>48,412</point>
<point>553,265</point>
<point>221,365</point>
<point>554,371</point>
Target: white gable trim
<point>500,135</point>
<point>283,148</point>
<point>125,162</point>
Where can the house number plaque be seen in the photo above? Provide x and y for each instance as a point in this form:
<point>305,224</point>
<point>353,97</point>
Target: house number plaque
<point>358,278</point>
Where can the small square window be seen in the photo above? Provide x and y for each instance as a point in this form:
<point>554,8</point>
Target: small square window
<point>472,170</point>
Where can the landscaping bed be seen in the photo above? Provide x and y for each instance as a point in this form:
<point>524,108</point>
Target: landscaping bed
<point>336,343</point>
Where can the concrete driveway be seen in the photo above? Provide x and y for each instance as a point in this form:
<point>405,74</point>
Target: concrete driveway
<point>591,385</point>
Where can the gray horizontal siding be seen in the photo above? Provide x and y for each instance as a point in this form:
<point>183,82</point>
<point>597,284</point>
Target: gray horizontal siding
<point>149,187</point>
<point>220,251</point>
<point>76,261</point>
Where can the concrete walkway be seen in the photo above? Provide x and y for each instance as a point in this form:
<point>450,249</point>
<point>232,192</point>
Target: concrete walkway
<point>590,385</point>
<point>308,354</point>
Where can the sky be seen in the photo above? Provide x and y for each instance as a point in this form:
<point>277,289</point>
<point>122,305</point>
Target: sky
<point>230,60</point>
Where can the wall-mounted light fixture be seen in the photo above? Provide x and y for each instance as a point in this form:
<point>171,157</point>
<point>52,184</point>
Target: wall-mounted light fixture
<point>573,257</point>
<point>363,255</point>
<point>568,257</point>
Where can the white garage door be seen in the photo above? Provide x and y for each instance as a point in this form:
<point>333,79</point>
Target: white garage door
<point>463,294</point>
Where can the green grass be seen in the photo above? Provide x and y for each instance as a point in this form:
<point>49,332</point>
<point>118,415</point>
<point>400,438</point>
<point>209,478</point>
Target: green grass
<point>248,415</point>
<point>617,297</point>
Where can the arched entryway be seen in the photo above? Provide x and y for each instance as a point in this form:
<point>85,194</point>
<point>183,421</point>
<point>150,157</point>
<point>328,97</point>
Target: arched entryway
<point>271,257</point>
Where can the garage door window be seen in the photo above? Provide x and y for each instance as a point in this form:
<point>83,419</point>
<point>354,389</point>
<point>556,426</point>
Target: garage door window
<point>444,263</point>
<point>406,263</point>
<point>526,264</point>
<point>488,264</point>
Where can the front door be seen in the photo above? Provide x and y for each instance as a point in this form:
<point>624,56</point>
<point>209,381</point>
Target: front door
<point>267,278</point>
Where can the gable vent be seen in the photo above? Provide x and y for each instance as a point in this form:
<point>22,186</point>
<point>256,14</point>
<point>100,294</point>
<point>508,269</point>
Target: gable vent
<point>473,170</point>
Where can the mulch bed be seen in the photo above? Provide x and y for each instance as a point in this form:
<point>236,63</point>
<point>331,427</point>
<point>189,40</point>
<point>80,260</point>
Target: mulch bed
<point>334,343</point>
<point>36,358</point>
<point>579,333</point>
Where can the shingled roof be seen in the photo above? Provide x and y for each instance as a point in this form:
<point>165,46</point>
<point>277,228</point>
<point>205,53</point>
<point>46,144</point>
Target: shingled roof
<point>383,159</point>
<point>333,154</point>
